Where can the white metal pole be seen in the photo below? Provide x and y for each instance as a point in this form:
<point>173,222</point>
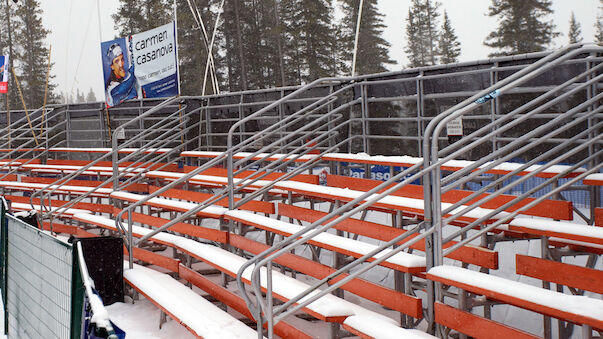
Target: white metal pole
<point>176,40</point>
<point>356,38</point>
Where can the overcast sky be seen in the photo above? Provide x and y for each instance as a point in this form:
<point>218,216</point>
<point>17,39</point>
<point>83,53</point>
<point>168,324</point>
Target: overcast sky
<point>75,37</point>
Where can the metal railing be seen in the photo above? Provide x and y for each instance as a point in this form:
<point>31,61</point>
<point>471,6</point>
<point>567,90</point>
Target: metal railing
<point>430,171</point>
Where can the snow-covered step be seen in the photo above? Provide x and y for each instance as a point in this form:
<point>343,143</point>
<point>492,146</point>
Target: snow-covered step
<point>559,229</point>
<point>389,202</point>
<point>576,309</point>
<point>595,179</point>
<point>183,305</point>
<point>173,205</point>
<point>400,261</point>
<point>60,189</point>
<point>328,308</point>
<point>18,206</point>
<point>243,155</point>
<point>451,165</point>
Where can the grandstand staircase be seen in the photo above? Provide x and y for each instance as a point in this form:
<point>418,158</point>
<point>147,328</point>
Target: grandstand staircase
<point>429,225</point>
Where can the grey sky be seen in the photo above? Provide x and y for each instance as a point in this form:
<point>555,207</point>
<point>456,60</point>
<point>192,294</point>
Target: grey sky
<point>76,46</point>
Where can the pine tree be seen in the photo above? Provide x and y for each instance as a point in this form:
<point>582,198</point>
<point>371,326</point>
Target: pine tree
<point>309,39</point>
<point>449,48</point>
<point>574,30</point>
<point>373,51</point>
<point>9,24</point>
<point>90,97</point>
<point>422,33</point>
<point>135,16</point>
<point>599,25</point>
<point>34,54</point>
<point>522,28</point>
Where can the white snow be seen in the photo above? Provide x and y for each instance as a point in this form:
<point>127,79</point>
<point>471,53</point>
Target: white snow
<point>407,160</point>
<point>402,202</point>
<point>581,305</point>
<point>331,240</point>
<point>241,155</point>
<point>26,207</point>
<point>560,227</point>
<point>382,327</point>
<point>203,317</point>
<point>213,211</point>
<point>61,188</point>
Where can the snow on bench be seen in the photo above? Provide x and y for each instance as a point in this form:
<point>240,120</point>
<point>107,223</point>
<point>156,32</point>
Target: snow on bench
<point>451,165</point>
<point>576,309</point>
<point>559,229</point>
<point>400,261</point>
<point>594,179</point>
<point>242,155</point>
<point>201,317</point>
<point>107,150</point>
<point>61,189</point>
<point>368,325</point>
<point>470,254</point>
<point>93,170</point>
<point>388,202</point>
<point>328,307</point>
<point>205,179</point>
<point>215,212</point>
<point>18,206</point>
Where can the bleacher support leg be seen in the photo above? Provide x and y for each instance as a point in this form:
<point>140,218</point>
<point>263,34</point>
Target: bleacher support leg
<point>587,332</point>
<point>546,320</point>
<point>334,331</point>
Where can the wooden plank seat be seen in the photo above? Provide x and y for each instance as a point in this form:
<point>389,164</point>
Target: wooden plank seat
<point>329,308</point>
<point>93,170</point>
<point>254,205</point>
<point>451,165</point>
<point>554,209</point>
<point>92,207</point>
<point>559,229</point>
<point>283,329</point>
<point>243,155</point>
<point>394,203</point>
<point>595,179</point>
<point>392,299</point>
<point>215,212</point>
<point>401,261</point>
<point>62,189</point>
<point>135,187</point>
<point>469,254</point>
<point>475,325</point>
<point>583,278</point>
<point>199,316</point>
<point>68,213</point>
<point>368,326</point>
<point>599,216</point>
<point>576,309</point>
<point>105,150</point>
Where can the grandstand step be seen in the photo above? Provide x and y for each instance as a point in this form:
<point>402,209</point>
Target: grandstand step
<point>198,315</point>
<point>559,229</point>
<point>594,179</point>
<point>179,206</point>
<point>411,205</point>
<point>577,309</point>
<point>400,261</point>
<point>470,254</point>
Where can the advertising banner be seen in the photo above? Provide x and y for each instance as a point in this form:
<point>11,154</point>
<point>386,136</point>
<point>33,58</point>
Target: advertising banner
<point>143,65</point>
<point>4,73</point>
